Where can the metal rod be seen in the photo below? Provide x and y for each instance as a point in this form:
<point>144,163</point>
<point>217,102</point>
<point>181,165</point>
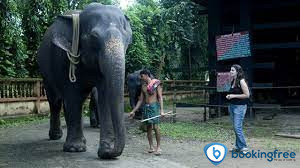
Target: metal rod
<point>168,113</point>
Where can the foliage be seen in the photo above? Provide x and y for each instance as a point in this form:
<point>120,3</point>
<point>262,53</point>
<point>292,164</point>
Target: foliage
<point>21,121</point>
<point>12,47</point>
<point>81,3</point>
<point>139,55</point>
<point>35,22</point>
<point>165,34</point>
<point>202,132</point>
<point>168,30</point>
<point>189,31</point>
<point>58,7</point>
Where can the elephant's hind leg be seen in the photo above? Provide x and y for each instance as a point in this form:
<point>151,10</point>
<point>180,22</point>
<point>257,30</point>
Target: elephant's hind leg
<point>55,131</point>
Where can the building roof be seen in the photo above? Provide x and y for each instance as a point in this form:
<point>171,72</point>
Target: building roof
<point>203,6</point>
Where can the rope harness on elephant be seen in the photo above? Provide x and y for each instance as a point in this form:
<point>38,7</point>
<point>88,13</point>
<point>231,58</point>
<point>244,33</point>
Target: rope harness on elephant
<point>73,55</point>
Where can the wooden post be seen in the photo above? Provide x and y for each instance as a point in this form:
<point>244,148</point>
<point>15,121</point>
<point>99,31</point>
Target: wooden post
<point>37,94</point>
<point>174,106</point>
<point>215,22</point>
<point>205,114</point>
<point>191,89</point>
<point>205,102</point>
<point>190,64</point>
<point>247,62</point>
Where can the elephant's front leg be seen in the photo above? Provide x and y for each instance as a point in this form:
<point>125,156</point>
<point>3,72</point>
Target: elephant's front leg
<point>75,141</point>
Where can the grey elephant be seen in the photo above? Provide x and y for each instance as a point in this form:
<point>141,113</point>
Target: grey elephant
<point>70,71</point>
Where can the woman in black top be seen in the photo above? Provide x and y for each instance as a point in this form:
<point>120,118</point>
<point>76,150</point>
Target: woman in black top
<point>238,99</point>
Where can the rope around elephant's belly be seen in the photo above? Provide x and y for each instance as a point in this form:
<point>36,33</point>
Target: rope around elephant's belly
<point>73,55</point>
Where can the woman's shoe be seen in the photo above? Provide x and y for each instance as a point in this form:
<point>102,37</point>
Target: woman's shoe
<point>234,150</point>
<point>245,150</point>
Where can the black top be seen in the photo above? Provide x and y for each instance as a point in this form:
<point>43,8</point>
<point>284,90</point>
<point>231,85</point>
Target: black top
<point>237,90</point>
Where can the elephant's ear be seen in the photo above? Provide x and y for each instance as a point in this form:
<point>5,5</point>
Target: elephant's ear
<point>62,36</point>
<point>127,18</point>
<point>128,25</point>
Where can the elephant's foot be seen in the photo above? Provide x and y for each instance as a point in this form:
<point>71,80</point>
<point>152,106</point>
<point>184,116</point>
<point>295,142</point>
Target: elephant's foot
<point>55,134</point>
<point>105,151</point>
<point>75,145</point>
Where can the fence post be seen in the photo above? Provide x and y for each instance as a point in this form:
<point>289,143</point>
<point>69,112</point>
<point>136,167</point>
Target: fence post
<point>37,94</point>
<point>174,101</point>
<point>205,114</point>
<point>174,106</point>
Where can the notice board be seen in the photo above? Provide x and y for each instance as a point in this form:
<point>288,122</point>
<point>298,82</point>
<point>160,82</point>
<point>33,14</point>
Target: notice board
<point>235,45</point>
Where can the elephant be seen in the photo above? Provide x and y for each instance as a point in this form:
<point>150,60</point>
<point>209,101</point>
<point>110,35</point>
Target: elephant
<point>94,109</point>
<point>134,90</point>
<point>69,76</point>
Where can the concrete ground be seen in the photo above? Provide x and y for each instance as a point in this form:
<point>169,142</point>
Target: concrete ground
<point>29,147</point>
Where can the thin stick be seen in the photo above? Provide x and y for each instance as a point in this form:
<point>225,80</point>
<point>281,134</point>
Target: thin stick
<point>168,113</point>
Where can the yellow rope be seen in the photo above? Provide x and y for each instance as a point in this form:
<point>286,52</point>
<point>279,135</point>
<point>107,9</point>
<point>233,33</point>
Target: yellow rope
<point>73,55</point>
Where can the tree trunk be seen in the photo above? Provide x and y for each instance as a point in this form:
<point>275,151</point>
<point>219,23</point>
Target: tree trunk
<point>161,65</point>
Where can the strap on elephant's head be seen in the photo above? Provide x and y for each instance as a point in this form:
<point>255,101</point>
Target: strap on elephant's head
<point>71,49</point>
<point>73,55</point>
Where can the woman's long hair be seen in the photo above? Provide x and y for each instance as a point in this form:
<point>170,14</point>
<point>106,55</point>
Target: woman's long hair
<point>240,74</point>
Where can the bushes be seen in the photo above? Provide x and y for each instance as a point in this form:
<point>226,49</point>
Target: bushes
<point>12,48</point>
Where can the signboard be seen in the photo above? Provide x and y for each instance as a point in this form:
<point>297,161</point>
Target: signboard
<point>223,81</point>
<point>233,45</point>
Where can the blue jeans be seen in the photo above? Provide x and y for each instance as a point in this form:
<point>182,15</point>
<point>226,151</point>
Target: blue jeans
<point>237,115</point>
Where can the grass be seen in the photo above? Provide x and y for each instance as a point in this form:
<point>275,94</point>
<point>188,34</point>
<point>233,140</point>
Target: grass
<point>282,144</point>
<point>260,136</point>
<point>22,120</point>
<point>193,100</point>
<point>196,131</point>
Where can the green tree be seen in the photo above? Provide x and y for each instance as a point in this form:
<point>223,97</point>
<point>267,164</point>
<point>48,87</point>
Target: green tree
<point>12,48</point>
<point>79,4</point>
<point>35,22</point>
<point>57,7</point>
<point>186,31</point>
<point>137,56</point>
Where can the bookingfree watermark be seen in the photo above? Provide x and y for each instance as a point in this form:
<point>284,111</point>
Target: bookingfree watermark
<point>216,153</point>
<point>270,156</point>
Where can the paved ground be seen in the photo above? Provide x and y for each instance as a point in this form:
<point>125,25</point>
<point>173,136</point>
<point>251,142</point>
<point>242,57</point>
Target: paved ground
<point>29,147</point>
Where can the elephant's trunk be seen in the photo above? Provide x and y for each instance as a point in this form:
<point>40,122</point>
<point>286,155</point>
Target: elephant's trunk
<point>132,98</point>
<point>114,77</point>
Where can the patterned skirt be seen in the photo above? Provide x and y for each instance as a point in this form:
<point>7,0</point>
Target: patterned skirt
<point>151,110</point>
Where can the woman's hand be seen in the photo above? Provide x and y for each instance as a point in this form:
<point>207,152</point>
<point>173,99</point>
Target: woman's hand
<point>230,96</point>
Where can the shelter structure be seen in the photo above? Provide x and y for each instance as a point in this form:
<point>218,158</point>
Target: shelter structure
<point>272,66</point>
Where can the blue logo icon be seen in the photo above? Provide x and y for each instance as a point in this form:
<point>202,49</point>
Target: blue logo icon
<point>215,152</point>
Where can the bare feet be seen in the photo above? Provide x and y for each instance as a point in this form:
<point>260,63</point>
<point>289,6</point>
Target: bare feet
<point>151,150</point>
<point>158,152</point>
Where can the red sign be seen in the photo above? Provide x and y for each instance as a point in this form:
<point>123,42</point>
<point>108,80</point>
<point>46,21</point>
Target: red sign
<point>223,81</point>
